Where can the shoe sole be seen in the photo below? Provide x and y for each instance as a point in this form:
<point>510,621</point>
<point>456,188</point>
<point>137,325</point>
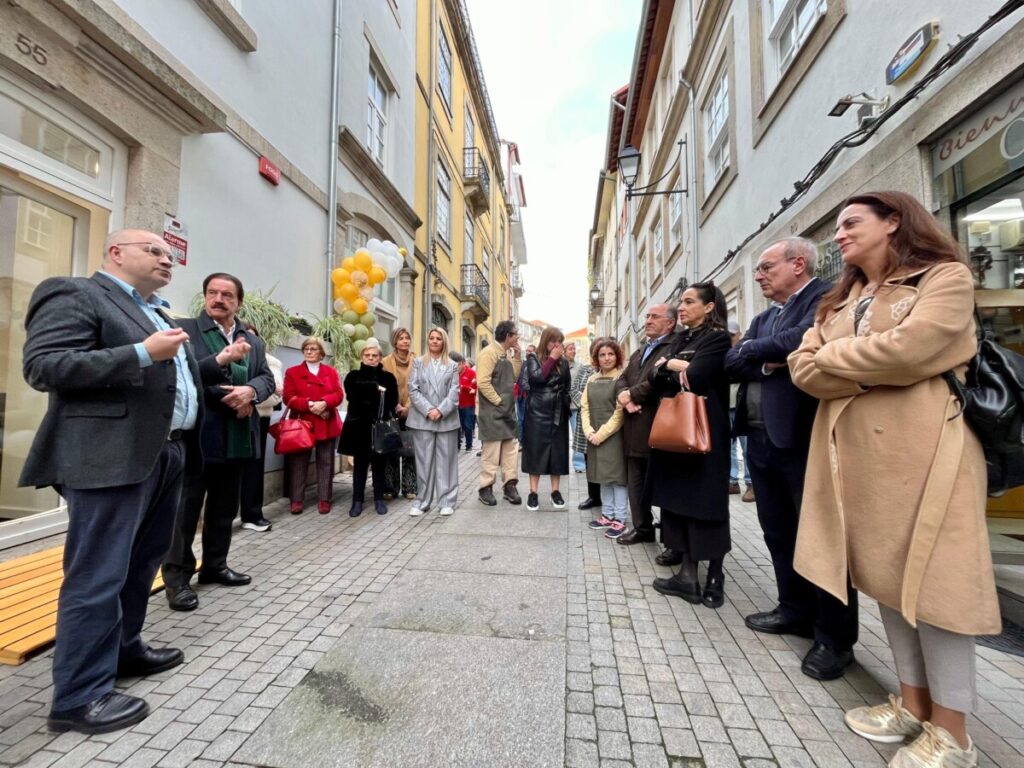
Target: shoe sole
<point>824,678</point>
<point>558,506</point>
<point>56,725</point>
<point>513,501</point>
<point>257,528</point>
<point>807,634</point>
<point>875,737</point>
<point>183,608</point>
<point>533,509</point>
<point>415,513</point>
<point>692,599</point>
<point>201,580</point>
<point>153,670</point>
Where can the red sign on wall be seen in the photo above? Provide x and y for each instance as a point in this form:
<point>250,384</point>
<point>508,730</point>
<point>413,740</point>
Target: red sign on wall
<point>269,171</point>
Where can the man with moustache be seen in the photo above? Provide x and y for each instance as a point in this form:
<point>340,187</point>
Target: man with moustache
<point>118,430</point>
<point>633,390</point>
<point>236,377</point>
<point>777,419</point>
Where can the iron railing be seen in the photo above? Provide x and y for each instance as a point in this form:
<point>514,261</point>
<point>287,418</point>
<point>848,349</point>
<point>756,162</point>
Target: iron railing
<point>474,169</point>
<point>475,285</point>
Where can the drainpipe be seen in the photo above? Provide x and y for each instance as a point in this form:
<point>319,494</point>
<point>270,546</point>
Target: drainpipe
<point>691,149</point>
<point>428,273</point>
<point>332,171</point>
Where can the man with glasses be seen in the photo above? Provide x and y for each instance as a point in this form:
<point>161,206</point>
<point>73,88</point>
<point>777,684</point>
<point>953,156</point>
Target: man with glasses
<point>122,417</point>
<point>640,403</point>
<point>236,377</point>
<point>777,418</point>
<point>497,369</point>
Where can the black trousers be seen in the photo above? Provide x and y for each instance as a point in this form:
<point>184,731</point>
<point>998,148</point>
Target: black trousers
<point>115,541</point>
<point>593,489</point>
<point>639,498</point>
<point>778,477</point>
<point>252,480</point>
<point>220,486</point>
<point>361,469</point>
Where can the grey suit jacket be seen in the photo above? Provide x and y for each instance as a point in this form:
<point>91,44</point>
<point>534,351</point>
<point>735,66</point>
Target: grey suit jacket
<point>108,418</point>
<point>430,388</point>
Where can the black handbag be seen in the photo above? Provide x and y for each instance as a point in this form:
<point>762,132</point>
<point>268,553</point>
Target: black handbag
<point>992,402</point>
<point>386,433</point>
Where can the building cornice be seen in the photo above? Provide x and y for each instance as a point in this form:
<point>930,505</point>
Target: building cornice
<point>356,156</point>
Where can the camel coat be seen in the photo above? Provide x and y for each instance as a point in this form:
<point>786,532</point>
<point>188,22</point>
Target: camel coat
<point>896,483</point>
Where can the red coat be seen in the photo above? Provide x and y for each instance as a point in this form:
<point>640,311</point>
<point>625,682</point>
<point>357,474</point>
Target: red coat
<point>301,386</point>
<point>467,388</point>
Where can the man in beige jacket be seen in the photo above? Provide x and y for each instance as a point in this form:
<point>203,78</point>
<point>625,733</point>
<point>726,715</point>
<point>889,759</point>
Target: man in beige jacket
<point>497,369</point>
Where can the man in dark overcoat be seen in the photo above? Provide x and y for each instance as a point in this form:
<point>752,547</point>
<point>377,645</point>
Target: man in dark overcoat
<point>120,425</point>
<point>236,376</point>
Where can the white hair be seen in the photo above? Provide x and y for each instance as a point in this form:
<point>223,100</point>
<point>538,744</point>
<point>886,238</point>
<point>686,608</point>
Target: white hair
<point>371,343</point>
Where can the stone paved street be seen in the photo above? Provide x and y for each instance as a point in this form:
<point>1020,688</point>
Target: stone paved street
<point>491,638</point>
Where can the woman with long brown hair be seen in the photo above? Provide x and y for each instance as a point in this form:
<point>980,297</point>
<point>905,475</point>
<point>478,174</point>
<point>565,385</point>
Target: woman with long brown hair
<point>400,471</point>
<point>894,497</point>
<point>546,426</point>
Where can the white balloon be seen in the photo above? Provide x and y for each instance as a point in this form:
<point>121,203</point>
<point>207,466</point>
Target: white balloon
<point>373,244</point>
<point>392,267</point>
<point>340,306</point>
<point>349,329</point>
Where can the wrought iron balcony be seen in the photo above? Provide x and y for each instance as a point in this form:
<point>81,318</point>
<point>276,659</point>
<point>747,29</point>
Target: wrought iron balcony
<point>475,289</point>
<point>476,180</point>
<point>517,283</point>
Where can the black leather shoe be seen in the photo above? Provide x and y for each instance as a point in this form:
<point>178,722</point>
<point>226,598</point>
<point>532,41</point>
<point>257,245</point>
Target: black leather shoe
<point>356,510</point>
<point>635,536</point>
<point>182,598</point>
<point>225,576</point>
<point>714,591</point>
<point>588,503</point>
<point>774,623</point>
<point>152,661</point>
<point>669,557</point>
<point>825,663</point>
<point>110,712</point>
<point>380,506</point>
<point>673,586</point>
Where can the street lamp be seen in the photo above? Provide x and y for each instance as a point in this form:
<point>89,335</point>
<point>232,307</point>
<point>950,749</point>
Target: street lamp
<point>629,167</point>
<point>629,164</point>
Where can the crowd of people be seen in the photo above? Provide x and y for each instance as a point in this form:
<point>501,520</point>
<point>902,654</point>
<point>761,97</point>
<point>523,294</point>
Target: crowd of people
<point>863,476</point>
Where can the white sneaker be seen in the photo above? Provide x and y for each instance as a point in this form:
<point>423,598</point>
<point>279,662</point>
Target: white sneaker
<point>888,723</point>
<point>445,511</point>
<point>415,512</point>
<point>935,748</point>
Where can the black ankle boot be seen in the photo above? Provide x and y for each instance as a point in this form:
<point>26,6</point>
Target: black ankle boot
<point>714,591</point>
<point>357,509</point>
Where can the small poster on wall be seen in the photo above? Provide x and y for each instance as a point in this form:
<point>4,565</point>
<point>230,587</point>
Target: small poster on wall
<point>176,236</point>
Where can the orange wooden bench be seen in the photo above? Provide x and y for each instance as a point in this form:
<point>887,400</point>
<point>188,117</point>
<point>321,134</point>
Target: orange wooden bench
<point>28,603</point>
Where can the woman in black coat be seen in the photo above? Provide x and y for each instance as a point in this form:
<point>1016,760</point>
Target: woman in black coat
<point>546,426</point>
<point>693,489</point>
<point>364,388</point>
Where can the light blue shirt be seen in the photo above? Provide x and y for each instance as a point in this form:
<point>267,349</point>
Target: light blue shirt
<point>186,399</point>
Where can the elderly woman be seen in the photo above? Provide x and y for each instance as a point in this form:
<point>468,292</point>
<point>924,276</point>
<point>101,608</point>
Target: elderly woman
<point>692,489</point>
<point>895,491</point>
<point>546,426</point>
<point>400,471</point>
<point>434,421</point>
<point>368,387</point>
<point>312,390</point>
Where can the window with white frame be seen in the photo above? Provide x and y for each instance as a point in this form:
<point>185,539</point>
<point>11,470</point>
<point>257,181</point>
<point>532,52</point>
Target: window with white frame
<point>38,225</point>
<point>485,258</point>
<point>467,250</point>
<point>716,131</point>
<point>376,115</point>
<point>443,203</point>
<point>675,219</point>
<point>469,140</point>
<point>657,247</point>
<point>444,66</point>
<point>788,25</point>
<point>641,278</point>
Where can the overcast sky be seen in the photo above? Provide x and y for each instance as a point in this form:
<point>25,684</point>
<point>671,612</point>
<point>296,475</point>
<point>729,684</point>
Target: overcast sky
<point>551,68</point>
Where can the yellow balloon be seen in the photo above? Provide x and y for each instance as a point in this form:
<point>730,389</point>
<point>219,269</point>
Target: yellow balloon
<point>348,292</point>
<point>360,306</point>
<point>359,278</point>
<point>377,275</point>
<point>336,291</point>
<point>340,276</point>
<point>363,260</point>
<point>403,251</point>
<point>348,264</point>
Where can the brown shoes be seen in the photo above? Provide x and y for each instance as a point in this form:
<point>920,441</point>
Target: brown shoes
<point>748,495</point>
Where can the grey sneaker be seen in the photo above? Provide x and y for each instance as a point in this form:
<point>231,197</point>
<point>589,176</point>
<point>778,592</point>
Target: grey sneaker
<point>935,748</point>
<point>888,723</point>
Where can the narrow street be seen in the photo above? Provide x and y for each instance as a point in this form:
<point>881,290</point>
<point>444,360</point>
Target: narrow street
<point>490,638</point>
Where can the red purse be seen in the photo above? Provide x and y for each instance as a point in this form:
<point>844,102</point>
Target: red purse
<point>292,435</point>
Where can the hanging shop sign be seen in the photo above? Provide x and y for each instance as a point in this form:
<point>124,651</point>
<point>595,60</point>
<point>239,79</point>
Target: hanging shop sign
<point>176,236</point>
<point>269,171</point>
<point>1001,122</point>
<point>912,53</point>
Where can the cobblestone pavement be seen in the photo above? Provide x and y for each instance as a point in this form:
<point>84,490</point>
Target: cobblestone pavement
<point>647,680</point>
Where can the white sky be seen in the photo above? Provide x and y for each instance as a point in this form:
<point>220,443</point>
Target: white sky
<point>551,67</point>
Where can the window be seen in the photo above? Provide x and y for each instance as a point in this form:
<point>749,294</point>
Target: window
<point>376,116</point>
<point>641,278</point>
<point>486,259</point>
<point>675,218</point>
<point>444,67</point>
<point>716,122</point>
<point>469,140</point>
<point>789,24</point>
<point>467,251</point>
<point>38,228</point>
<point>442,224</point>
<point>438,317</point>
<point>501,244</point>
<point>657,248</point>
<point>356,239</point>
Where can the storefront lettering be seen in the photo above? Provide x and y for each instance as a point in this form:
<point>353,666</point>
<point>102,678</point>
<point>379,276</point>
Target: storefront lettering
<point>963,140</point>
<point>26,46</point>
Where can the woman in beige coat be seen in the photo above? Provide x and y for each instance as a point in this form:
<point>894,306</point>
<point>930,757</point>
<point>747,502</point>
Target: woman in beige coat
<point>896,483</point>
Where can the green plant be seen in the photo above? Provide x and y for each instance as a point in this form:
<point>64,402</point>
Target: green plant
<point>272,319</point>
<point>343,355</point>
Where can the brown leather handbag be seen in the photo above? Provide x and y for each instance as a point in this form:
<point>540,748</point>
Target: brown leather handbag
<point>681,425</point>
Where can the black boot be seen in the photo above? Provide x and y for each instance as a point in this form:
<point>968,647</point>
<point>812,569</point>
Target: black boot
<point>487,496</point>
<point>512,493</point>
<point>356,510</point>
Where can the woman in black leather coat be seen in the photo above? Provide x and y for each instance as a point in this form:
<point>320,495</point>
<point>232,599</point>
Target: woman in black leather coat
<point>546,426</point>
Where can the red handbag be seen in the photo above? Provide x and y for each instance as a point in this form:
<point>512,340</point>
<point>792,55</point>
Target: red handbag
<point>292,435</point>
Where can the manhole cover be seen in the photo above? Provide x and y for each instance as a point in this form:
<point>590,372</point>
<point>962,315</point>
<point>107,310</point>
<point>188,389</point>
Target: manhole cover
<point>1010,641</point>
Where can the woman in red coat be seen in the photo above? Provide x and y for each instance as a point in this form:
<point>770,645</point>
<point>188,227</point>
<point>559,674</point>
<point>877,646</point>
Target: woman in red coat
<point>312,390</point>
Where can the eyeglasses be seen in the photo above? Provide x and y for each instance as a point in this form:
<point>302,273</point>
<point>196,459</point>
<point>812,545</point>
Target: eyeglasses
<point>157,251</point>
<point>766,267</point>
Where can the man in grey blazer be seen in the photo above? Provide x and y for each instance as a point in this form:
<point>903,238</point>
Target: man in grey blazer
<point>120,426</point>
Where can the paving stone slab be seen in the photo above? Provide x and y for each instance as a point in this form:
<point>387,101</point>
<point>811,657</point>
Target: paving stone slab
<point>485,604</point>
<point>515,556</point>
<point>386,697</point>
<point>504,522</point>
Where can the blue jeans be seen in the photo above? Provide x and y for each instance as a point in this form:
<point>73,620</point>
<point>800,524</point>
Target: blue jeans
<point>467,422</point>
<point>614,499</point>
<point>578,462</point>
<point>734,467</point>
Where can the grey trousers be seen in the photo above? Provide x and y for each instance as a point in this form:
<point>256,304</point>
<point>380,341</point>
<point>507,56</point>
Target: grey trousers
<point>933,658</point>
<point>437,468</point>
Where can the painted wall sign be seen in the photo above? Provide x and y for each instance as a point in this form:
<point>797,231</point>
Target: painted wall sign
<point>912,53</point>
<point>1002,115</point>
<point>176,236</point>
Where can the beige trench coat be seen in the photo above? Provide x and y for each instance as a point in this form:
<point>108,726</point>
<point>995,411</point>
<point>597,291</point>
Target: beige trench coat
<point>896,483</point>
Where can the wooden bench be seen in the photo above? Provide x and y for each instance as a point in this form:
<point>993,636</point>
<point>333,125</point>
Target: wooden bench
<point>29,587</point>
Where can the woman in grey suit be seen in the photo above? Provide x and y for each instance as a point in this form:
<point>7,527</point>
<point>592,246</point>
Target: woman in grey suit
<point>434,421</point>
